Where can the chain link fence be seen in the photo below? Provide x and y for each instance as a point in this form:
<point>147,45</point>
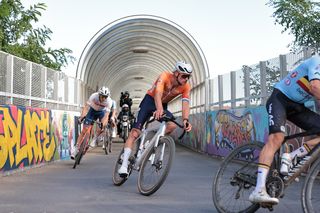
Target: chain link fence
<point>24,83</point>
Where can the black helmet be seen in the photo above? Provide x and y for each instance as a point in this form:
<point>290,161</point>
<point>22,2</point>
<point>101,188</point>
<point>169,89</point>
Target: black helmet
<point>126,93</point>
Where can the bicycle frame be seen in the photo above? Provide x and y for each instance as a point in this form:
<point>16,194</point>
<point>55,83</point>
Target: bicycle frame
<point>142,150</point>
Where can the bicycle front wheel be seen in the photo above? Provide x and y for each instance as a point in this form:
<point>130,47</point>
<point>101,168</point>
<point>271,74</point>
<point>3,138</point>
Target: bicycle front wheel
<point>236,179</point>
<point>81,151</point>
<point>156,166</point>
<point>310,192</point>
<point>117,180</point>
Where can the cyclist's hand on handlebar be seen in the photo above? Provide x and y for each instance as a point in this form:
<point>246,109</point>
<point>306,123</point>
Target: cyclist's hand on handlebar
<point>187,125</point>
<point>80,120</point>
<point>158,114</point>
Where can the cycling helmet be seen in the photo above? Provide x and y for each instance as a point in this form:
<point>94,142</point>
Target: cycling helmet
<point>183,67</point>
<point>125,107</point>
<point>104,91</point>
<point>127,93</point>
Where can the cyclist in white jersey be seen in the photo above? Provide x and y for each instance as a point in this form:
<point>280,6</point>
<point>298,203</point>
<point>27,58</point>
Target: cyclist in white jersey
<point>97,107</point>
<point>287,102</point>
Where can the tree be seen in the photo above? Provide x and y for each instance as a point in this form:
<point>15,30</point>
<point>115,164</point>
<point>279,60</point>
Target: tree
<point>20,38</point>
<point>301,18</point>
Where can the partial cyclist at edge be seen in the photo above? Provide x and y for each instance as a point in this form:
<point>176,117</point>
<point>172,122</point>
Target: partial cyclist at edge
<point>287,100</point>
<point>97,107</point>
<point>167,86</point>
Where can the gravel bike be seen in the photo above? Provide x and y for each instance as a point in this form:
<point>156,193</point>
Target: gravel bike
<point>84,143</point>
<point>236,178</point>
<point>152,157</point>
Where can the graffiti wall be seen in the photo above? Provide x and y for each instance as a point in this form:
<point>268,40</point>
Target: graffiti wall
<point>31,136</point>
<point>224,130</point>
<point>64,132</point>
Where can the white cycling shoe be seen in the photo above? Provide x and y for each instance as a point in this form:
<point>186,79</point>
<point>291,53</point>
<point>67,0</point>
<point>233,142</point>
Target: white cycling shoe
<point>262,196</point>
<point>286,163</point>
<point>123,171</point>
<point>74,153</point>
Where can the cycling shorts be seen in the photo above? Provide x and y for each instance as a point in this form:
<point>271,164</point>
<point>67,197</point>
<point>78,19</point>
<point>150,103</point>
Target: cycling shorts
<point>146,109</point>
<point>280,108</point>
<point>93,115</point>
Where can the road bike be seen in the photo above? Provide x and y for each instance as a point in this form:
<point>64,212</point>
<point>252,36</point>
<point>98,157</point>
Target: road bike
<point>236,178</point>
<point>152,157</point>
<point>84,143</point>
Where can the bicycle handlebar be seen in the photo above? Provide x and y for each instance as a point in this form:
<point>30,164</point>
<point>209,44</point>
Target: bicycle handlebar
<point>172,119</point>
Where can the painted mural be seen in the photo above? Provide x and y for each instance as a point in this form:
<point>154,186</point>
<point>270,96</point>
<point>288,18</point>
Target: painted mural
<point>64,131</point>
<point>224,130</point>
<point>34,136</point>
<point>26,137</point>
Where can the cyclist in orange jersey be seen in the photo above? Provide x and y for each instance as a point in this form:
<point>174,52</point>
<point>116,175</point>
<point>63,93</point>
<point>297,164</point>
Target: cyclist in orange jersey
<point>167,86</point>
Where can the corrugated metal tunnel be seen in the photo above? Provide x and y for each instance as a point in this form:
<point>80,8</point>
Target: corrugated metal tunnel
<point>129,53</point>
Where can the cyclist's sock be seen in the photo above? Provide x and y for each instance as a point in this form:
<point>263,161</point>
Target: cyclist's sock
<point>263,170</point>
<point>301,151</point>
<point>126,155</point>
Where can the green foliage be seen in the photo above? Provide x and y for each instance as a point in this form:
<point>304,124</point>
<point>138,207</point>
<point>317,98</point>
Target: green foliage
<point>301,18</point>
<point>20,38</point>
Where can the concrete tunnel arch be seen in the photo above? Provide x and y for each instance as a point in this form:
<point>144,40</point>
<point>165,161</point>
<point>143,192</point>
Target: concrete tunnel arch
<point>129,53</point>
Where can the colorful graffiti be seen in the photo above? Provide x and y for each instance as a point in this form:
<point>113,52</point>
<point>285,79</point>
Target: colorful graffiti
<point>63,124</point>
<point>232,131</point>
<point>25,137</point>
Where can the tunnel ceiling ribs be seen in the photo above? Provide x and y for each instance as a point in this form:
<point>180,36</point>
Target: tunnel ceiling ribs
<point>131,52</point>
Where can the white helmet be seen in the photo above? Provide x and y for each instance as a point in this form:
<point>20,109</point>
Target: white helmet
<point>104,91</point>
<point>183,67</point>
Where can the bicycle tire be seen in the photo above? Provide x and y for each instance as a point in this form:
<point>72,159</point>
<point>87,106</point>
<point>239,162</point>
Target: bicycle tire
<point>106,141</point>
<point>80,153</point>
<point>117,180</point>
<point>226,184</point>
<point>311,202</point>
<point>146,188</point>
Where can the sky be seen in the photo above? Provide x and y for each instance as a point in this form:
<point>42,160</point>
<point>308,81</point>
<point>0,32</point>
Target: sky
<point>231,33</point>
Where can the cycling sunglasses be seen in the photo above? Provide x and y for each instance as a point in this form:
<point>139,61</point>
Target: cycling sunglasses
<point>186,77</point>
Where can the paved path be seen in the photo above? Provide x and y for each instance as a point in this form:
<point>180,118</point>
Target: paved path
<point>89,188</point>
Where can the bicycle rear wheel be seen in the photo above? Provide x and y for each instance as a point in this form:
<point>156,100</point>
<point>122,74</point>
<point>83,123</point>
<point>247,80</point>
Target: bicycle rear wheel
<point>236,179</point>
<point>154,170</point>
<point>310,191</point>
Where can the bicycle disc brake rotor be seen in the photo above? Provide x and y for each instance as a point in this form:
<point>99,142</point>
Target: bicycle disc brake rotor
<point>275,186</point>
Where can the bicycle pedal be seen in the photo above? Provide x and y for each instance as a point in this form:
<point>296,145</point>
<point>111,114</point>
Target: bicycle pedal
<point>268,206</point>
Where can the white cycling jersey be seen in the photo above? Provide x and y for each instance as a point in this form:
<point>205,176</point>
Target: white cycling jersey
<point>95,103</point>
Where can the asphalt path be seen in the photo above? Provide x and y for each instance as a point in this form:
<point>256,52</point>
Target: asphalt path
<point>88,188</point>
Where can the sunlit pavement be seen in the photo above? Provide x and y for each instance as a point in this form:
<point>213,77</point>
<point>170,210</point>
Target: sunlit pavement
<point>89,188</point>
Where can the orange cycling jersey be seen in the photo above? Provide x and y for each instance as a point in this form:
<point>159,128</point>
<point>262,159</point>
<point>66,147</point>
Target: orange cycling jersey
<point>164,84</point>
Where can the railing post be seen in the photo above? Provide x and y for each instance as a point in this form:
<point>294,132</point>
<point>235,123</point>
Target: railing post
<point>263,82</point>
<point>246,85</point>
<point>233,89</point>
<point>43,84</point>
<point>283,66</point>
<point>220,86</point>
<point>28,89</point>
<point>9,80</point>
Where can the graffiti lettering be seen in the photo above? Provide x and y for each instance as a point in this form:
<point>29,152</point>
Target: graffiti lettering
<point>24,134</point>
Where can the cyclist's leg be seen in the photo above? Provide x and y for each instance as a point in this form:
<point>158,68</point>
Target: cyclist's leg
<point>147,106</point>
<point>307,120</point>
<point>276,108</point>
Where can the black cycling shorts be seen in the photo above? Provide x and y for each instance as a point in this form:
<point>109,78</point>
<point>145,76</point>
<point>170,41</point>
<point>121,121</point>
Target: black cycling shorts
<point>280,108</point>
<point>146,109</point>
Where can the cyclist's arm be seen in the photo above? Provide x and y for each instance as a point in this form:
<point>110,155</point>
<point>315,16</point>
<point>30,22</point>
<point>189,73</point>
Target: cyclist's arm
<point>85,110</point>
<point>186,108</point>
<point>158,96</point>
<point>315,88</point>
<point>105,118</point>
